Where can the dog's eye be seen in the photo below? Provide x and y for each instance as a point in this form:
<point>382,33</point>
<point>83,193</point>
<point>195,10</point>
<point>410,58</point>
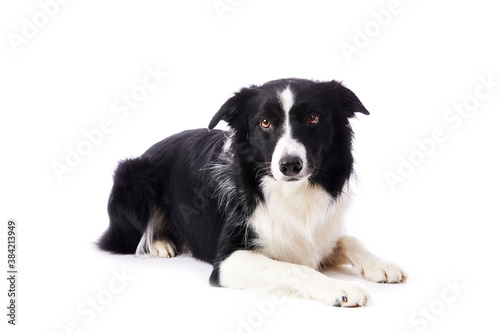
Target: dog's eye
<point>265,123</point>
<point>312,119</point>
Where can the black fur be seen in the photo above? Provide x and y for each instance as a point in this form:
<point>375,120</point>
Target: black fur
<point>180,180</point>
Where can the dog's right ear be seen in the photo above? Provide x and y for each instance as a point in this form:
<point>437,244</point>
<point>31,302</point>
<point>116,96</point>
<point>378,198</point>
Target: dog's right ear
<point>235,109</point>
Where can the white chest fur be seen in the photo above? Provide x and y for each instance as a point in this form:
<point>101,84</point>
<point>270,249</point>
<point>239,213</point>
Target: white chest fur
<point>298,223</point>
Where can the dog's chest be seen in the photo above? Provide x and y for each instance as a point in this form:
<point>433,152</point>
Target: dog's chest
<point>298,223</point>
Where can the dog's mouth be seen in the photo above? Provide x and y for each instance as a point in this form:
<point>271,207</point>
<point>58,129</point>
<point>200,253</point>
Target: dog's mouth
<point>294,179</point>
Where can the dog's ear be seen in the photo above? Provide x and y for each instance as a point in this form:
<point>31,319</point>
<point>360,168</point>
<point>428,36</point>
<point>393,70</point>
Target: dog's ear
<point>234,111</point>
<point>349,102</point>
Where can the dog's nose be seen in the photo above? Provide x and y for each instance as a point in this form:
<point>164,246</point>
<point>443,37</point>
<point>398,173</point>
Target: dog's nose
<point>290,165</point>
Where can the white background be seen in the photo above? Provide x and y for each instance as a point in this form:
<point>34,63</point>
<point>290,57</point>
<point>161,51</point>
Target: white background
<point>440,224</point>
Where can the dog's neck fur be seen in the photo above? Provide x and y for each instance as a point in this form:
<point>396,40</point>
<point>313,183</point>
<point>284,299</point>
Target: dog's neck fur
<point>298,222</point>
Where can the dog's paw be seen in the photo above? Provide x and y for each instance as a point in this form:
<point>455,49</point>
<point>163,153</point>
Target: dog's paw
<point>350,294</point>
<point>338,293</point>
<point>383,272</point>
<point>163,248</point>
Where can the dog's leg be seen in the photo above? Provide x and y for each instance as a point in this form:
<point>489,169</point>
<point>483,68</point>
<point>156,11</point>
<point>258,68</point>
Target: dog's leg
<point>163,248</point>
<point>254,271</point>
<point>370,266</point>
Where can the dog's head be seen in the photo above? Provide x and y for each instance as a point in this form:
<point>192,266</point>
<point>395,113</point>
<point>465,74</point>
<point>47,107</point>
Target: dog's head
<point>293,129</point>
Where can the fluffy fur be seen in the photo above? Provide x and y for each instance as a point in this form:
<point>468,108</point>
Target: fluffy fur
<point>262,202</point>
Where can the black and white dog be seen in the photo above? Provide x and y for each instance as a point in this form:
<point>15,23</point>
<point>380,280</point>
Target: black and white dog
<point>263,202</point>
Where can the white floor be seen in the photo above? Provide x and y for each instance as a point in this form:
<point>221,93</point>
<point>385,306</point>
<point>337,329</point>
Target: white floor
<point>68,285</point>
<point>426,158</point>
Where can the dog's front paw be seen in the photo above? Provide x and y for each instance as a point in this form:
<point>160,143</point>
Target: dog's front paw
<point>349,294</point>
<point>383,272</point>
<point>338,293</point>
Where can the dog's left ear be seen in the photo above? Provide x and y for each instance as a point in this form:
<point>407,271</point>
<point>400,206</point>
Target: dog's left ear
<point>349,102</point>
<point>234,111</point>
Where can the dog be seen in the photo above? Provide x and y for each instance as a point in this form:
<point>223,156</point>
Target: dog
<point>262,202</point>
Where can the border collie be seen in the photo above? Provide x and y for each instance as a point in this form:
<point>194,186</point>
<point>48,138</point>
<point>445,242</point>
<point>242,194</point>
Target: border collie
<point>263,202</point>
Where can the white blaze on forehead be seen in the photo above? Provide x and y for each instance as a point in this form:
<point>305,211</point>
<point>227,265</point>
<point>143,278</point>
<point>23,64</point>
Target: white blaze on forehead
<point>287,145</point>
<point>286,100</point>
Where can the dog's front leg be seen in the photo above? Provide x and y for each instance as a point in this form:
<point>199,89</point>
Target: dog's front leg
<point>251,270</point>
<point>370,266</point>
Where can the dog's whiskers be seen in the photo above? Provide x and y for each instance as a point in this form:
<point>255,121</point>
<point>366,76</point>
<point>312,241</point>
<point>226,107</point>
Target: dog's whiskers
<point>261,168</point>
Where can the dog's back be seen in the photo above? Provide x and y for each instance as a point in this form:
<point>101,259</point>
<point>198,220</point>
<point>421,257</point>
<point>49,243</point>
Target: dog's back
<point>167,194</point>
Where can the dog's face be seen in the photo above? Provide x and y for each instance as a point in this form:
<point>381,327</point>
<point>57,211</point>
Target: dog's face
<point>292,129</point>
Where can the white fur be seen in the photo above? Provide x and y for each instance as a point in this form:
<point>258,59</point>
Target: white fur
<point>298,222</point>
<point>369,266</point>
<point>221,171</point>
<point>228,143</point>
<point>287,145</point>
<point>286,99</point>
<point>146,243</point>
<point>254,271</point>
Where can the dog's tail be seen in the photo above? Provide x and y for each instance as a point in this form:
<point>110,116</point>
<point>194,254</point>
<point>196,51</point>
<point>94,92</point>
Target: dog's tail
<point>131,208</point>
